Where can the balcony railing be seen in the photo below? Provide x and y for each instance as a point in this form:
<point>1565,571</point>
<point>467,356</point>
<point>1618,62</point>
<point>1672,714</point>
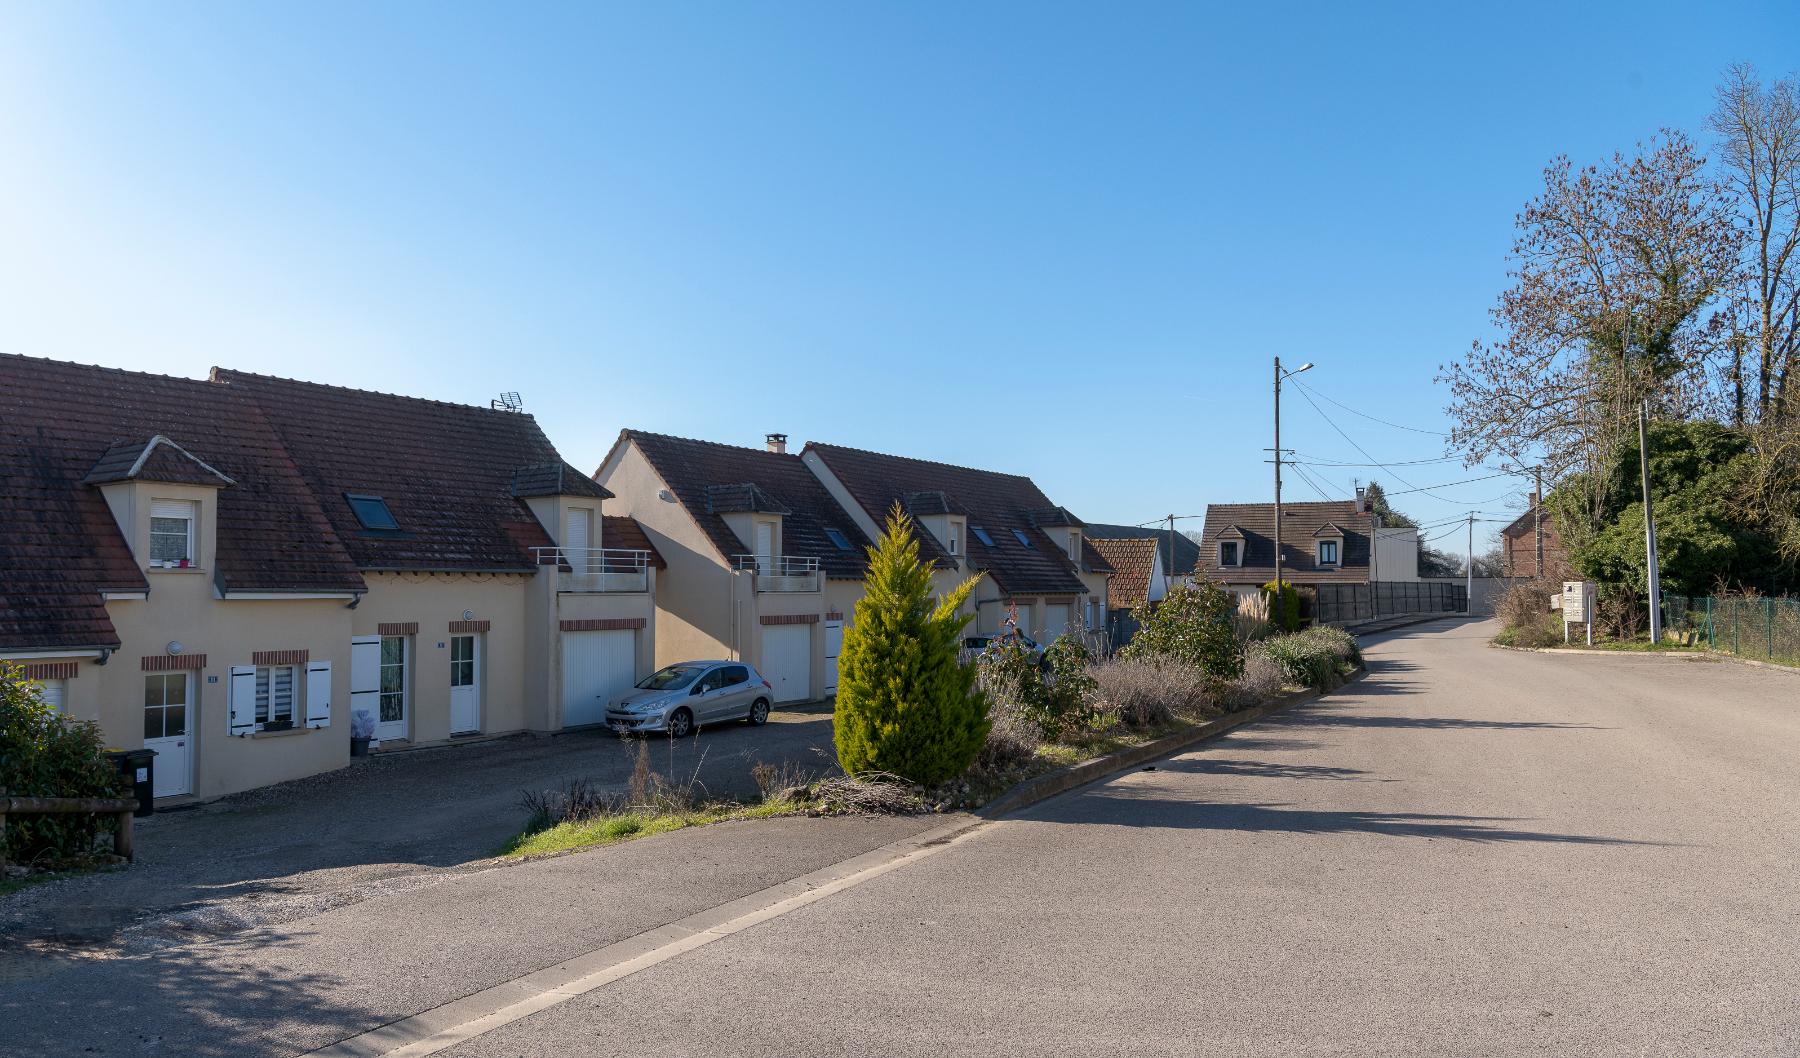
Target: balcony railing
<point>594,569</point>
<point>784,573</point>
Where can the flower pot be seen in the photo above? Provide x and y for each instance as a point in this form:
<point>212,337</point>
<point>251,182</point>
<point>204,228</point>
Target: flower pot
<point>359,747</point>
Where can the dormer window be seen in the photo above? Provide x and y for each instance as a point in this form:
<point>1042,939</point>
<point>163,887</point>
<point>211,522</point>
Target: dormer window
<point>172,533</point>
<point>956,538</point>
<point>1074,547</point>
<point>1328,552</point>
<point>1230,553</point>
<point>371,511</point>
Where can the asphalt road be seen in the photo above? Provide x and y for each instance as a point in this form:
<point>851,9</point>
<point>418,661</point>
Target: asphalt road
<point>384,824</point>
<point>1473,852</point>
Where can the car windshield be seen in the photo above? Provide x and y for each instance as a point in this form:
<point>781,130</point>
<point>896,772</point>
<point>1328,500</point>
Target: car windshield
<point>672,678</point>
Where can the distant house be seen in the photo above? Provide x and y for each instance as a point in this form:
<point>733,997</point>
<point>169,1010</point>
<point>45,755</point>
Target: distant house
<point>1179,554</point>
<point>224,571</point>
<point>1138,580</point>
<point>1518,543</point>
<point>1322,543</point>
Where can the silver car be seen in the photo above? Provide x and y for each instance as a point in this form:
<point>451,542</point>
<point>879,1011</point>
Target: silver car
<point>681,698</point>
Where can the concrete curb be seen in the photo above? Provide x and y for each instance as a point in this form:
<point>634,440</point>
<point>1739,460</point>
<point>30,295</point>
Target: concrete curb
<point>1683,655</point>
<point>1043,787</point>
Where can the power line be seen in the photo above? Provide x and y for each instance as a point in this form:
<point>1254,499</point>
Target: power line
<point>1366,415</point>
<point>1314,461</point>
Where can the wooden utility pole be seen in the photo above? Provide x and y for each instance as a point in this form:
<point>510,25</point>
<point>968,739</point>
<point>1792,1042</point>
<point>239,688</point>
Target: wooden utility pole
<point>1537,519</point>
<point>1654,578</point>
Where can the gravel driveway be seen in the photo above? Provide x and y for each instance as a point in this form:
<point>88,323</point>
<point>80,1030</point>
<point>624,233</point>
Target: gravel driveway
<point>379,826</point>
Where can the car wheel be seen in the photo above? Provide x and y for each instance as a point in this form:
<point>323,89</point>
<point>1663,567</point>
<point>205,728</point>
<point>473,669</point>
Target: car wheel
<point>681,723</point>
<point>759,712</point>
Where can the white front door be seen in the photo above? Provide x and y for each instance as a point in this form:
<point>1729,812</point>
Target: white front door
<point>834,641</point>
<point>168,699</point>
<point>1056,622</point>
<point>595,666</point>
<point>465,684</point>
<point>787,661</point>
<point>396,688</point>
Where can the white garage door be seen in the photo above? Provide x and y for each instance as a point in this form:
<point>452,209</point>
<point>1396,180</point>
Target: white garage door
<point>787,661</point>
<point>1056,622</point>
<point>595,666</point>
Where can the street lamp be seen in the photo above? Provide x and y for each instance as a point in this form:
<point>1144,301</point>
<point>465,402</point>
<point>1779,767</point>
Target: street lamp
<point>1279,375</point>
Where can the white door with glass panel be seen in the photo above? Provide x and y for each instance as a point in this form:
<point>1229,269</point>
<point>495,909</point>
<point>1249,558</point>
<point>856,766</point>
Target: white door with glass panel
<point>465,684</point>
<point>834,642</point>
<point>167,708</point>
<point>396,688</point>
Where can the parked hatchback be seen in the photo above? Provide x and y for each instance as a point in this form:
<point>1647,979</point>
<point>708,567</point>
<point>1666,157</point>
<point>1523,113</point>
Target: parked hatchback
<point>681,698</point>
<point>982,644</point>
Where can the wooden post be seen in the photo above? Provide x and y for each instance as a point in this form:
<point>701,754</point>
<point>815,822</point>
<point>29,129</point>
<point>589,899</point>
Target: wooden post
<point>122,838</point>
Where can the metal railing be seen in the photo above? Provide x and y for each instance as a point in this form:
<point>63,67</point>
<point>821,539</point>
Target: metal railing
<point>782,573</point>
<point>597,569</point>
<point>1765,629</point>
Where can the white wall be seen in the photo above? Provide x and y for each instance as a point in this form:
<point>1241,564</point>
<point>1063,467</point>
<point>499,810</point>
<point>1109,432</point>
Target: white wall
<point>1396,554</point>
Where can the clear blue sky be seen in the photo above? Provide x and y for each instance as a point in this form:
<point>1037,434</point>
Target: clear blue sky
<point>1061,240</point>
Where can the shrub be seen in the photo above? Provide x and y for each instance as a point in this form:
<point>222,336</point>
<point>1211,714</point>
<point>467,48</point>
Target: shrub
<point>1150,692</point>
<point>1285,616</point>
<point>905,705</point>
<point>43,754</point>
<point>1525,617</point>
<point>1312,658</point>
<point>1051,697</point>
<point>1261,680</point>
<point>1193,625</point>
<point>1010,743</point>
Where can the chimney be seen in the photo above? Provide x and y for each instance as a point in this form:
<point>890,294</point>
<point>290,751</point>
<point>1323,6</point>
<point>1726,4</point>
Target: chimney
<point>777,443</point>
<point>1362,501</point>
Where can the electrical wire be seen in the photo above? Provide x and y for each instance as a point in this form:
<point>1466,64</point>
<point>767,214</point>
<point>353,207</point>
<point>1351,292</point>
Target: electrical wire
<point>1366,415</point>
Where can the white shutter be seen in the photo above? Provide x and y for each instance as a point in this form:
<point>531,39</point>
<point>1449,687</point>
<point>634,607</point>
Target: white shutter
<point>318,694</point>
<point>765,547</point>
<point>365,676</point>
<point>171,509</point>
<point>243,699</point>
<point>55,694</point>
<point>576,538</point>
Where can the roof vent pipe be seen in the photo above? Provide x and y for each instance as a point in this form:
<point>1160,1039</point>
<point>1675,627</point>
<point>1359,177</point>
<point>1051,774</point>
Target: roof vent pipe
<point>777,443</point>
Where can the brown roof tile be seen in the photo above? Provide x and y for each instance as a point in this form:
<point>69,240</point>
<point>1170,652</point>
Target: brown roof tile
<point>1180,563</point>
<point>692,469</point>
<point>1301,522</point>
<point>619,531</point>
<point>1133,561</point>
<point>1022,560</point>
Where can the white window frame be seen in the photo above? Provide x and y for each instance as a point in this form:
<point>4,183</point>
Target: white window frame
<point>1237,547</point>
<point>191,516</point>
<point>264,706</point>
<point>1075,546</point>
<point>1337,553</point>
<point>956,531</point>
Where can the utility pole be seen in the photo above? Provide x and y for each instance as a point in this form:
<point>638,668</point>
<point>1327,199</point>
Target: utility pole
<point>1469,572</point>
<point>1655,578</point>
<point>1279,375</point>
<point>1537,519</point>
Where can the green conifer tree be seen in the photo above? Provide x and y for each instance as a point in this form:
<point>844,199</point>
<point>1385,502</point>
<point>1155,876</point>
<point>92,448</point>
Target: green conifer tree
<point>905,704</point>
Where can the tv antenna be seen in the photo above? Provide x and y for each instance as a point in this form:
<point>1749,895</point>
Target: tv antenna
<point>508,401</point>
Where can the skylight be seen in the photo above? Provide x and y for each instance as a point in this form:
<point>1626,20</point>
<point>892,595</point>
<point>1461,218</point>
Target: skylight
<point>1022,538</point>
<point>371,511</point>
<point>981,535</point>
<point>842,541</point>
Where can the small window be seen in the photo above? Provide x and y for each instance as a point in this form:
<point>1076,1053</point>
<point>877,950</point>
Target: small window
<point>1019,535</point>
<point>1074,547</point>
<point>735,675</point>
<point>1228,553</point>
<point>839,540</point>
<point>275,694</point>
<point>982,535</point>
<point>956,538</point>
<point>371,511</point>
<point>1328,552</point>
<point>171,533</point>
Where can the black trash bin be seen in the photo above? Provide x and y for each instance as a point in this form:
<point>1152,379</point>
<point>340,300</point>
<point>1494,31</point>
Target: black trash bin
<point>138,766</point>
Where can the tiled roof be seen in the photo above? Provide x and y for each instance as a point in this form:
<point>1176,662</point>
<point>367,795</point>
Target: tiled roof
<point>1054,517</point>
<point>445,470</point>
<point>1133,561</point>
<point>1301,522</point>
<point>619,531</point>
<point>691,467</point>
<point>58,421</point>
<point>999,504</point>
<point>744,497</point>
<point>555,479</point>
<point>934,501</point>
<point>157,459</point>
<point>1180,564</point>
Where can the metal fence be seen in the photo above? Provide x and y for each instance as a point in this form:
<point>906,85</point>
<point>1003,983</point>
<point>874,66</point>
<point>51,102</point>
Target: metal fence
<point>1350,603</point>
<point>1767,629</point>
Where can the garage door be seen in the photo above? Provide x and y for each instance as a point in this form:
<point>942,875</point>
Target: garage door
<point>595,666</point>
<point>1056,622</point>
<point>787,661</point>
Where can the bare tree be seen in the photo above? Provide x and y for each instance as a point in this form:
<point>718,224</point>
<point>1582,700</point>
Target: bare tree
<point>1759,142</point>
<point>1616,269</point>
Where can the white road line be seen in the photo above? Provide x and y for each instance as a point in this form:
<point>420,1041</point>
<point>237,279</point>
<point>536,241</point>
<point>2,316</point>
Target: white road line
<point>426,1032</point>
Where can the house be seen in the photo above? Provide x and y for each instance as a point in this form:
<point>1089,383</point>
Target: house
<point>226,570</point>
<point>1519,543</point>
<point>1036,555</point>
<point>1322,543</point>
<point>1179,553</point>
<point>763,562</point>
<point>1138,579</point>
